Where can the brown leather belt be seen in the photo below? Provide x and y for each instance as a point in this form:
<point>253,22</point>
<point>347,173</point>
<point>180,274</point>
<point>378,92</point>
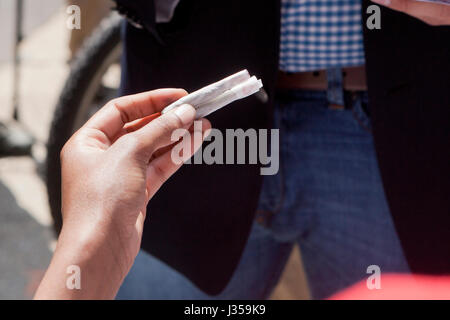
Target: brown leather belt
<point>354,79</point>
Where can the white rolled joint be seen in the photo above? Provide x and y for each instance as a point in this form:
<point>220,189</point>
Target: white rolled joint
<point>217,95</point>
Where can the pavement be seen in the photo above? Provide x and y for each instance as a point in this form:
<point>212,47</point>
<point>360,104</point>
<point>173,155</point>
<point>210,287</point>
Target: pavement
<point>26,237</point>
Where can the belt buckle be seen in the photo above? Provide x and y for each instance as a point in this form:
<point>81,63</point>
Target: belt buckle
<point>333,106</point>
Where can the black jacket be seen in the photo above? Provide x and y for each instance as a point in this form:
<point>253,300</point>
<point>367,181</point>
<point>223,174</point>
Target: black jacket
<point>199,221</point>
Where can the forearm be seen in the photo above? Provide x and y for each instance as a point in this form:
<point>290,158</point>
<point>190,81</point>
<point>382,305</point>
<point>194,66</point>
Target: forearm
<point>83,268</point>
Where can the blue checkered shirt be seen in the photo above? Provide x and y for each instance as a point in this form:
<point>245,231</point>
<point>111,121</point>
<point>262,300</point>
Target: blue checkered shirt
<point>319,34</point>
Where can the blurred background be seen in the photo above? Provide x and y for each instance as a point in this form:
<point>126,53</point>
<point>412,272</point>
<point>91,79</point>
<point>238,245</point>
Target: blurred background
<point>39,57</point>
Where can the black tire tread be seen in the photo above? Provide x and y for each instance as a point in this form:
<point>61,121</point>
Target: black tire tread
<point>96,47</point>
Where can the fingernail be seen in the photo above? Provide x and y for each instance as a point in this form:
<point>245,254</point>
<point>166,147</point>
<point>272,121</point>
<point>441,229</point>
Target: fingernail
<point>186,113</point>
<point>206,133</point>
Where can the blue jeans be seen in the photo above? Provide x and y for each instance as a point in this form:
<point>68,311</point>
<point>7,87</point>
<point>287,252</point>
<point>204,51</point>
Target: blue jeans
<point>327,197</point>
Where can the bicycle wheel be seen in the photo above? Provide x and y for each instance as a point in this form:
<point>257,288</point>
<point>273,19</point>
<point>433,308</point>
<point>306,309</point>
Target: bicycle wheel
<point>93,80</point>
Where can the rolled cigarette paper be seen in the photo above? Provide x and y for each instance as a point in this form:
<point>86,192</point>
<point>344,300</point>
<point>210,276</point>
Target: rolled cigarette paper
<point>243,90</point>
<point>211,91</point>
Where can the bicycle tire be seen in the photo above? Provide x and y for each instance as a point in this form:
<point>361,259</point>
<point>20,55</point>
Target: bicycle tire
<point>84,68</point>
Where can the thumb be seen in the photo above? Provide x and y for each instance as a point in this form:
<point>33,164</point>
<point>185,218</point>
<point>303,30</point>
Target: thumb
<point>158,133</point>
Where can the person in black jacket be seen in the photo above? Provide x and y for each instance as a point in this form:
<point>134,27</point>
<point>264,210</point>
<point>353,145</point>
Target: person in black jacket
<point>361,98</point>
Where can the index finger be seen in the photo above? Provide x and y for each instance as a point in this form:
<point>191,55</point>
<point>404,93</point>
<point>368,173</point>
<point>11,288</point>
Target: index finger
<point>115,114</point>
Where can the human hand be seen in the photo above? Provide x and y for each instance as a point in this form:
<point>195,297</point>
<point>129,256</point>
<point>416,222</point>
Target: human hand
<point>111,168</point>
<point>434,14</point>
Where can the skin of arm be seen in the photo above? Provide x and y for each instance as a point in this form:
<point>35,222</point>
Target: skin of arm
<point>111,168</point>
<point>434,14</point>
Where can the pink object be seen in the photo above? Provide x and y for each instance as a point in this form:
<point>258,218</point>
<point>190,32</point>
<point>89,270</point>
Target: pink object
<point>400,287</point>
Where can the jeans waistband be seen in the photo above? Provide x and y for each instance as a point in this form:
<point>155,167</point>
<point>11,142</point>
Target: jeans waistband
<point>319,96</point>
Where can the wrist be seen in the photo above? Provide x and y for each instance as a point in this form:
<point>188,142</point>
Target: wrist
<point>95,234</point>
<point>84,266</point>
<point>94,246</point>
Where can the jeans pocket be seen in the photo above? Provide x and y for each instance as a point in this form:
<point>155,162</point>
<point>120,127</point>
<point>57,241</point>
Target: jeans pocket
<point>360,110</point>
